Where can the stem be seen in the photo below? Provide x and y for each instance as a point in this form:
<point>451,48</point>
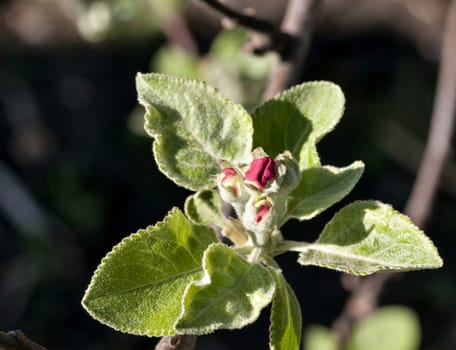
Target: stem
<point>177,342</point>
<point>291,246</point>
<point>17,340</point>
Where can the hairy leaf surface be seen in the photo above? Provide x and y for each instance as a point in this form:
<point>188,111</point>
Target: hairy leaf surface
<point>321,187</point>
<point>138,287</point>
<point>230,295</point>
<point>194,126</point>
<point>205,208</point>
<point>297,119</point>
<point>369,236</point>
<point>286,323</point>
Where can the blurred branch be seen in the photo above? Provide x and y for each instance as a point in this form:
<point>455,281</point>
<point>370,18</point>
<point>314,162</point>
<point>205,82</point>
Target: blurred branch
<point>407,150</point>
<point>298,22</point>
<point>177,33</point>
<point>177,342</point>
<point>438,145</point>
<point>365,292</point>
<point>279,40</point>
<point>363,300</point>
<point>16,340</point>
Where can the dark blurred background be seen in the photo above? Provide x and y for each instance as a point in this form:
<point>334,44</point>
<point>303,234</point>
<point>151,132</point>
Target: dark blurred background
<point>77,173</point>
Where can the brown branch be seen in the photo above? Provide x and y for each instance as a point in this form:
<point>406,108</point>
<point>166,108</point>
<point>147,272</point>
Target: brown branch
<point>177,33</point>
<point>278,40</point>
<point>298,22</point>
<point>177,342</point>
<point>16,340</point>
<point>365,292</point>
<point>438,145</point>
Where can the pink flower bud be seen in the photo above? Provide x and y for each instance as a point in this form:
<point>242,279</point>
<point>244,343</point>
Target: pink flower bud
<point>262,208</point>
<point>230,180</point>
<point>261,172</point>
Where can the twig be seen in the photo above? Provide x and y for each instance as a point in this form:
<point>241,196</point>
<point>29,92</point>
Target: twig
<point>407,150</point>
<point>279,40</point>
<point>442,121</point>
<point>298,23</point>
<point>366,291</point>
<point>177,342</point>
<point>16,340</point>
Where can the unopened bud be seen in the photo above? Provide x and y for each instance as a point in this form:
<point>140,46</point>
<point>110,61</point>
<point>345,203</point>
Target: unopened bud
<point>262,208</point>
<point>231,186</point>
<point>260,218</point>
<point>289,174</point>
<point>261,172</point>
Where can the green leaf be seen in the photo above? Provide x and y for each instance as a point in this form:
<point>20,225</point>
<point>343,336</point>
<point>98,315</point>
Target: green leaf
<point>205,208</point>
<point>138,287</point>
<point>174,60</point>
<point>286,320</point>
<point>389,328</point>
<point>321,187</point>
<point>369,236</point>
<point>320,338</point>
<point>194,126</point>
<point>230,295</point>
<point>297,119</point>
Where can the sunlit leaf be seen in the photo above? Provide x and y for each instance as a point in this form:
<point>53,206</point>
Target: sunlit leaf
<point>369,236</point>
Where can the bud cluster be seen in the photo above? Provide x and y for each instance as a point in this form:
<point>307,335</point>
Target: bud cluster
<point>258,191</point>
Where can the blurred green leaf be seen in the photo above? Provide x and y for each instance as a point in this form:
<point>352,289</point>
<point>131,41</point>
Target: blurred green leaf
<point>320,338</point>
<point>389,328</point>
<point>228,50</point>
<point>175,61</point>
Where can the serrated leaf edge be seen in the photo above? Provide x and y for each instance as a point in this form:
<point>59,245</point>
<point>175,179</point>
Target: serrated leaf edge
<point>293,89</point>
<point>217,95</point>
<point>205,280</point>
<point>358,164</point>
<point>95,275</point>
<point>382,268</point>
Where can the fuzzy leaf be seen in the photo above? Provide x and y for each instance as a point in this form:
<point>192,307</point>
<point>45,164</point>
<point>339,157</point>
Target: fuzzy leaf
<point>286,321</point>
<point>230,295</point>
<point>297,119</point>
<point>194,126</point>
<point>138,287</point>
<point>204,208</point>
<point>369,236</point>
<point>321,187</point>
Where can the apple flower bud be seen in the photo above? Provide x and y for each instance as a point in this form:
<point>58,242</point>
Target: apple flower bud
<point>231,186</point>
<point>288,172</point>
<point>261,172</point>
<point>262,208</point>
<point>230,181</point>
